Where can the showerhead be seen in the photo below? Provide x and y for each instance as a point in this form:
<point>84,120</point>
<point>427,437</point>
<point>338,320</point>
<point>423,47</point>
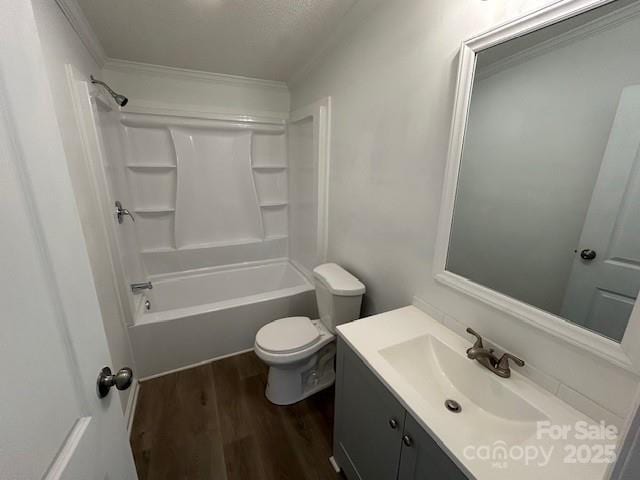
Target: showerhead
<point>121,100</point>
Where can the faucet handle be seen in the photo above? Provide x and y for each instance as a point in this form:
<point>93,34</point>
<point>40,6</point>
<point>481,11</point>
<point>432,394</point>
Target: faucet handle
<point>503,363</point>
<point>478,343</point>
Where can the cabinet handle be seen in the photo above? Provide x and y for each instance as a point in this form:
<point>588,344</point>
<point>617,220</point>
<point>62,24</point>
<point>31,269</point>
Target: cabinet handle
<point>393,423</point>
<point>407,440</point>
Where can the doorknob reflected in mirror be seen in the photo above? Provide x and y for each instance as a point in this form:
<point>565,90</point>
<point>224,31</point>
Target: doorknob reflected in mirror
<point>122,380</point>
<point>588,254</point>
<point>121,212</point>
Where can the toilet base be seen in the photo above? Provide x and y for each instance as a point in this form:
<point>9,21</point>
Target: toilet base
<point>289,384</point>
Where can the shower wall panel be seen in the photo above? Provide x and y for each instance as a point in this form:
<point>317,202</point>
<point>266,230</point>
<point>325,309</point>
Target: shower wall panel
<point>303,183</point>
<point>129,265</point>
<point>216,199</point>
<point>205,193</point>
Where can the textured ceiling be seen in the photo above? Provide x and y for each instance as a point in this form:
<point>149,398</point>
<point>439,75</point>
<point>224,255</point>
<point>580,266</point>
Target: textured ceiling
<point>267,39</point>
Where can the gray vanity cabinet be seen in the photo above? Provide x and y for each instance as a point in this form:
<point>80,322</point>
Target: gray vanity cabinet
<point>423,459</point>
<point>375,438</point>
<point>368,422</point>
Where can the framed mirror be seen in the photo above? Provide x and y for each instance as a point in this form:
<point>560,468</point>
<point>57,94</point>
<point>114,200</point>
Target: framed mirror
<point>541,206</point>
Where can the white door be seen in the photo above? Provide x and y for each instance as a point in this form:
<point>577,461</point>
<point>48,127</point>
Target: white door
<point>605,278</point>
<point>52,347</point>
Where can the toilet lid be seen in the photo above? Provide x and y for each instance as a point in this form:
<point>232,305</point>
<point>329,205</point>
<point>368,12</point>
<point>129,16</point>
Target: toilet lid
<point>287,335</point>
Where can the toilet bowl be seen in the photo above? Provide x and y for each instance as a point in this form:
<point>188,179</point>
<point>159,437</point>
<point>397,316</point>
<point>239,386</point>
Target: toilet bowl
<point>299,351</point>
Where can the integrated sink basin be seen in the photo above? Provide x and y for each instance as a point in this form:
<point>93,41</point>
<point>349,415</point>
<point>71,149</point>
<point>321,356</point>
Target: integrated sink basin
<point>438,373</point>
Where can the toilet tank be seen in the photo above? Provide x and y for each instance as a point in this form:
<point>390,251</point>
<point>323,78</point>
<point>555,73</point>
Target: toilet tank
<point>338,294</point>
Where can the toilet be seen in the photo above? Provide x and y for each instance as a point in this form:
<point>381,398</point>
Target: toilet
<point>300,352</point>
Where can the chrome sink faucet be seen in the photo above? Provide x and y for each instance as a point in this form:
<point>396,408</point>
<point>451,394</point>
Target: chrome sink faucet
<point>487,358</point>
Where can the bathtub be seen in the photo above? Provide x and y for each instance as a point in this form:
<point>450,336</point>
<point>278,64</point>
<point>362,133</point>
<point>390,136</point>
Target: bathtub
<point>204,314</point>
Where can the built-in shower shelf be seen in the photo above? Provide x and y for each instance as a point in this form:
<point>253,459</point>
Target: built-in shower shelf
<point>273,204</point>
<point>155,210</point>
<point>205,246</point>
<point>276,237</point>
<point>150,166</point>
<point>158,250</point>
<point>269,167</point>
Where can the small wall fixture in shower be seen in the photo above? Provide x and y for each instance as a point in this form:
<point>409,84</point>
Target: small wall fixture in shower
<point>121,100</point>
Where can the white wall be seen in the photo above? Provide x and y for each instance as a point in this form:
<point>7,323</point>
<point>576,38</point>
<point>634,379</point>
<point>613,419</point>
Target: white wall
<point>61,45</point>
<point>392,80</point>
<point>523,197</point>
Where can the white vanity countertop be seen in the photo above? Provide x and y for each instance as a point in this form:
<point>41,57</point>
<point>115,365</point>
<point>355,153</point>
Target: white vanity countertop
<point>461,434</point>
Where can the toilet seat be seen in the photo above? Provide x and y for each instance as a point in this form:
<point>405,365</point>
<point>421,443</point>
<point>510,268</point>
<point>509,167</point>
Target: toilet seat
<point>287,335</point>
<point>305,348</point>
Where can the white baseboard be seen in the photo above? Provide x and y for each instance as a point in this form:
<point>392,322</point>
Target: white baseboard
<point>194,365</point>
<point>130,411</point>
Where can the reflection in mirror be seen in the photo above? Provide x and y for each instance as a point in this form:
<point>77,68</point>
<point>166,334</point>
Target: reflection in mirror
<point>547,207</point>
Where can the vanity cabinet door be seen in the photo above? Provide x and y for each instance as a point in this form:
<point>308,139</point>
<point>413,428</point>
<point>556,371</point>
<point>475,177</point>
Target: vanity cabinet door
<point>369,422</point>
<point>422,458</point>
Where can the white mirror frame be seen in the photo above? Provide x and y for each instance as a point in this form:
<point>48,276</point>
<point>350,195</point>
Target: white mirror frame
<point>625,354</point>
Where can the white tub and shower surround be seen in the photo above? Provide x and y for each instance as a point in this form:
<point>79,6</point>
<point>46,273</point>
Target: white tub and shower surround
<point>207,182</point>
<point>214,312</point>
<point>210,196</point>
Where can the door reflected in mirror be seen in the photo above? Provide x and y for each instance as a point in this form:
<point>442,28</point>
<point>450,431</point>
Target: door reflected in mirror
<point>547,206</point>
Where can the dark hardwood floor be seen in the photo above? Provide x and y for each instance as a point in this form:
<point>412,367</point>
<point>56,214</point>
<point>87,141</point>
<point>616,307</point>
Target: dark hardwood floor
<point>213,422</point>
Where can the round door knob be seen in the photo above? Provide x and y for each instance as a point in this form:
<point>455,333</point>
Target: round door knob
<point>588,254</point>
<point>393,423</point>
<point>121,380</point>
<point>407,440</point>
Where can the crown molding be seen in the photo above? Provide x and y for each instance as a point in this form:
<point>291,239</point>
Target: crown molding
<point>589,29</point>
<point>129,66</point>
<point>71,10</point>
